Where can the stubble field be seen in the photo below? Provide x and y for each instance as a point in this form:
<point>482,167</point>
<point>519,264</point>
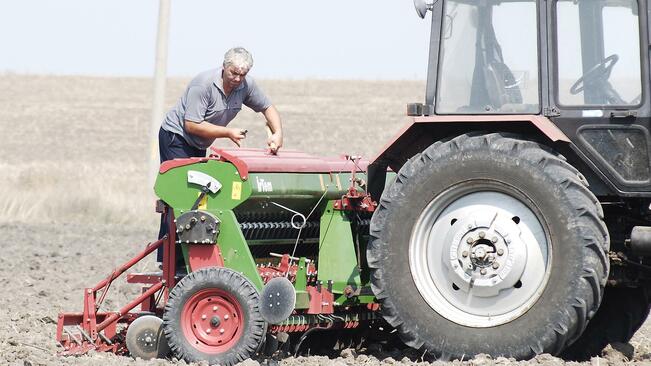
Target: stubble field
<point>75,200</point>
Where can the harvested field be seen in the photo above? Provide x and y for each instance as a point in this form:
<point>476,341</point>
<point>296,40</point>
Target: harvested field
<point>75,201</point>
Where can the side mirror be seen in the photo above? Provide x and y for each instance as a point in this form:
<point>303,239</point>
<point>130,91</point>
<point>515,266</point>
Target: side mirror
<point>422,6</point>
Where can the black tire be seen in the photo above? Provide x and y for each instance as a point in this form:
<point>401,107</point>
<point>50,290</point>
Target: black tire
<point>225,292</point>
<point>528,174</point>
<point>621,314</point>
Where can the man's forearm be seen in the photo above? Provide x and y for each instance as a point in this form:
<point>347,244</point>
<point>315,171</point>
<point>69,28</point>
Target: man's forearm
<point>273,119</point>
<point>205,130</point>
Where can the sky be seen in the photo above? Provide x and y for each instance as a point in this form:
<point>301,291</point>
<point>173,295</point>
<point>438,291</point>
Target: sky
<point>294,39</point>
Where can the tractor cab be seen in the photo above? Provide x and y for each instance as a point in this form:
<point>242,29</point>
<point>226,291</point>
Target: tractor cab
<point>536,57</point>
<point>581,67</point>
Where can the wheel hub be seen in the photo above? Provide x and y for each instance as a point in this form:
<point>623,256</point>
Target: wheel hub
<point>479,258</point>
<point>145,338</point>
<point>485,253</point>
<point>213,320</point>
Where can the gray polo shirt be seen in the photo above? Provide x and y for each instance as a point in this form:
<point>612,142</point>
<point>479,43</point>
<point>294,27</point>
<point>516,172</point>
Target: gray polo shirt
<point>204,100</point>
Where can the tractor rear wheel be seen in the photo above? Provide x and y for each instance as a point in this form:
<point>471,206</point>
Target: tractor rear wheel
<point>621,314</point>
<point>504,243</point>
<point>212,315</point>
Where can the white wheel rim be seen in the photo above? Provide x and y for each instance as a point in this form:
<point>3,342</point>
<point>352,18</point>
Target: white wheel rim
<point>480,257</point>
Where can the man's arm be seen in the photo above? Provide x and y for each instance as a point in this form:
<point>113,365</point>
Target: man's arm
<point>275,141</point>
<point>209,131</point>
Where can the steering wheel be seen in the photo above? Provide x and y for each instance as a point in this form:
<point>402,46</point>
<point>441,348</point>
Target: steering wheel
<point>601,71</point>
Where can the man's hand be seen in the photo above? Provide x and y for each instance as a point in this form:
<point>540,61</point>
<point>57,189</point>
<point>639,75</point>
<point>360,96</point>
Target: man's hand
<point>275,142</point>
<point>274,129</point>
<point>236,135</point>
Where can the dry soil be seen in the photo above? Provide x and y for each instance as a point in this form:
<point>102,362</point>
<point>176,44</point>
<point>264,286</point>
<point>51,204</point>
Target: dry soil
<point>75,200</point>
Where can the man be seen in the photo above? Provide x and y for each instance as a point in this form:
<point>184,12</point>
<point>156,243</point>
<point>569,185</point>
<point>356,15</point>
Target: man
<point>209,103</point>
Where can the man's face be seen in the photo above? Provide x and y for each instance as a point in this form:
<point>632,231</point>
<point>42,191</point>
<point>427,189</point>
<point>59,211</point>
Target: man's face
<point>233,76</point>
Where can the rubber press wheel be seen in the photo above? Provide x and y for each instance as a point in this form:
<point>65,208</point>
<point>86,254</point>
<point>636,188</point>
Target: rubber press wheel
<point>504,244</point>
<point>212,315</point>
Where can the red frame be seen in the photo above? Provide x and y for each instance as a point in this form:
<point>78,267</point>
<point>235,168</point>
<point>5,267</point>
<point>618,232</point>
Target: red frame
<point>90,323</point>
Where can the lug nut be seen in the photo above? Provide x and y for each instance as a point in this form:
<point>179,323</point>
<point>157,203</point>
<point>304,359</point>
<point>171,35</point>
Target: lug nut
<point>482,234</point>
<point>222,331</point>
<point>500,252</point>
<point>208,330</point>
<point>203,317</point>
<point>464,254</point>
<point>226,317</point>
<point>469,240</point>
<point>494,239</point>
<point>214,308</point>
<point>483,271</point>
<point>203,218</point>
<point>496,265</point>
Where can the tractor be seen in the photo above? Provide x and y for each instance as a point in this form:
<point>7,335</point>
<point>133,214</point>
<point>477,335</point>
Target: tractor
<point>508,217</point>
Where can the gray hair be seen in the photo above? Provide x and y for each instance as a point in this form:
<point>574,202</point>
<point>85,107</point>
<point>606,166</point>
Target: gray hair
<point>238,57</point>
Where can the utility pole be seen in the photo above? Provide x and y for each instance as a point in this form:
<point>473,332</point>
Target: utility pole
<point>160,73</point>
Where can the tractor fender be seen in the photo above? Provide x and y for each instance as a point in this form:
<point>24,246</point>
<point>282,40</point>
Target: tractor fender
<point>420,132</point>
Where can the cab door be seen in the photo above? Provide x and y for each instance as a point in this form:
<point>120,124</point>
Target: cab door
<point>598,86</point>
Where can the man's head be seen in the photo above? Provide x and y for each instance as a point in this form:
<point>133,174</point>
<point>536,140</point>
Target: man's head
<point>237,63</point>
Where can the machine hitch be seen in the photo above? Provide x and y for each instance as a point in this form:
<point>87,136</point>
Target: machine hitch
<point>97,330</point>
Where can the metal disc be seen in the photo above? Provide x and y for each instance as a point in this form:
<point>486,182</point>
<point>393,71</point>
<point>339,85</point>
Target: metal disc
<point>277,300</point>
<point>480,255</point>
<point>145,338</point>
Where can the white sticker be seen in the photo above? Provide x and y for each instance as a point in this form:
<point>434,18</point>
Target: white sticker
<point>593,113</point>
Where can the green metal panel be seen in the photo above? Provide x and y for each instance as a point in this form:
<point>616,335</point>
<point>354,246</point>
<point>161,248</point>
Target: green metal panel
<point>234,249</point>
<point>236,253</point>
<point>173,187</point>
<point>300,184</point>
<point>337,258</point>
<point>300,285</point>
<point>298,191</point>
<point>301,275</point>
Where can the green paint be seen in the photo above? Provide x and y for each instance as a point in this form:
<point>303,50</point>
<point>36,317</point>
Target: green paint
<point>298,191</point>
<point>236,253</point>
<point>173,187</point>
<point>300,285</point>
<point>337,258</point>
<point>301,275</point>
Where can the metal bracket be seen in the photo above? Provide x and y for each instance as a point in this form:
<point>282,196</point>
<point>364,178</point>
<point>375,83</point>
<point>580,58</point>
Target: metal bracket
<point>551,112</point>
